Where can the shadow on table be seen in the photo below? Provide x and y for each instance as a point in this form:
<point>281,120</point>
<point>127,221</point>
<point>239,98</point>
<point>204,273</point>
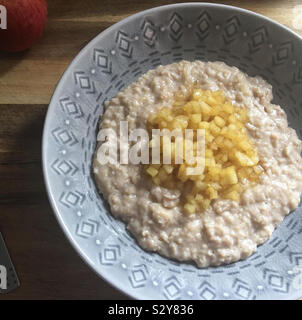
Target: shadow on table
<point>9,60</point>
<point>27,221</point>
<point>20,154</point>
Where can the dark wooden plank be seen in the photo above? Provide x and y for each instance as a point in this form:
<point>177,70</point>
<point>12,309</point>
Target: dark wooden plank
<point>48,267</point>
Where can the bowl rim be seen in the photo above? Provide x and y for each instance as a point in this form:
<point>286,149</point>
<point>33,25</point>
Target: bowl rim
<point>110,280</point>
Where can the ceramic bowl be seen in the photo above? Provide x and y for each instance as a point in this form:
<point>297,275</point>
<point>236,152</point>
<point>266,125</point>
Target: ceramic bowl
<point>113,60</point>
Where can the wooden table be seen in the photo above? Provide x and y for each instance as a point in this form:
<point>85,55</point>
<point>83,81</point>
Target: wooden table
<point>47,265</point>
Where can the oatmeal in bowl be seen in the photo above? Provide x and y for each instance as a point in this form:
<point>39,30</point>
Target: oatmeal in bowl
<point>252,168</point>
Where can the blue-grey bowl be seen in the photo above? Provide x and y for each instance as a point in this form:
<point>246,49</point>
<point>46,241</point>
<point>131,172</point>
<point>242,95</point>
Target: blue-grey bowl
<point>109,63</point>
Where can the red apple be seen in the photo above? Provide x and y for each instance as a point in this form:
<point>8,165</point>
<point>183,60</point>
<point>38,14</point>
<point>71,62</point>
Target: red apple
<point>26,20</point>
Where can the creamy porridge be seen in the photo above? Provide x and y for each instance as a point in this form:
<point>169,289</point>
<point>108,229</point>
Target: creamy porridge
<point>227,230</point>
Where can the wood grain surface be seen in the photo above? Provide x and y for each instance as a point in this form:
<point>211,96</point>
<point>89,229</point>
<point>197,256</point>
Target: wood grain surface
<point>47,265</point>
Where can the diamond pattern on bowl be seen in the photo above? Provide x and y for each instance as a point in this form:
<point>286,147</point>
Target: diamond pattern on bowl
<point>139,276</point>
<point>275,280</point>
<point>64,167</point>
<point>207,291</point>
<point>102,61</point>
<point>110,255</point>
<point>176,26</point>
<point>124,44</point>
<point>172,288</point>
